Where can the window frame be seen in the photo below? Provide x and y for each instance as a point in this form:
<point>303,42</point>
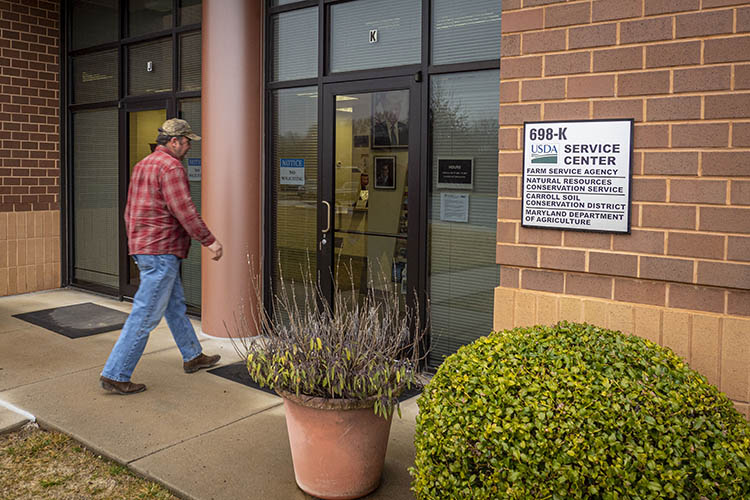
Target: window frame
<point>421,73</point>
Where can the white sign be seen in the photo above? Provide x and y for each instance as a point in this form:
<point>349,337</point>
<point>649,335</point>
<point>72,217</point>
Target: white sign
<point>292,171</point>
<point>576,175</point>
<point>194,169</point>
<point>454,207</point>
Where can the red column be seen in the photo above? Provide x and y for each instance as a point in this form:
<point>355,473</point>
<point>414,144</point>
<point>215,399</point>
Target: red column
<point>232,125</point>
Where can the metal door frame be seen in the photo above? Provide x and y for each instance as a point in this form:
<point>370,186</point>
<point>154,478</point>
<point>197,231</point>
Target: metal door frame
<point>132,106</point>
<point>418,180</point>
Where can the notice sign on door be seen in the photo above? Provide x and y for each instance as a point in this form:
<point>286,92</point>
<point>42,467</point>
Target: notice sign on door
<point>292,171</point>
<point>576,175</point>
<point>194,169</point>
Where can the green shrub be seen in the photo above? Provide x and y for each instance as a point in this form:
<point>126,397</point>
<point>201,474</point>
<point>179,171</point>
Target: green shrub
<point>576,411</point>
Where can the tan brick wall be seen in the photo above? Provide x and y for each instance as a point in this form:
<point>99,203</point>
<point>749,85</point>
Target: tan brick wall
<point>30,145</point>
<point>681,70</point>
<point>715,345</point>
<point>29,251</point>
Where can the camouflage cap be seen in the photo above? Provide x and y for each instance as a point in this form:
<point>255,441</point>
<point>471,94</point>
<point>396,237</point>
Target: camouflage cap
<point>176,127</point>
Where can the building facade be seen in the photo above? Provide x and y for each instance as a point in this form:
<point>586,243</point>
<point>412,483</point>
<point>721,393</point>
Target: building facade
<point>680,70</point>
<point>30,248</point>
<point>389,135</point>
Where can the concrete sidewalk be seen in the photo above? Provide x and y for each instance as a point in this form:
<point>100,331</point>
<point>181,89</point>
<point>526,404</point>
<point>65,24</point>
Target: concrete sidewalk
<point>201,435</point>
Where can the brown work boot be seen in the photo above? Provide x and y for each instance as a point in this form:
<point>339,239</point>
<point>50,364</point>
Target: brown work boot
<point>201,361</point>
<point>123,388</point>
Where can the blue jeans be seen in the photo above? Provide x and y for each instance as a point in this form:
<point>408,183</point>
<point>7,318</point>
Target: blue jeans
<point>160,294</point>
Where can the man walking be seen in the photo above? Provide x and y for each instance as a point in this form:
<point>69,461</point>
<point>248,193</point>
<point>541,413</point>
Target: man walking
<point>160,219</point>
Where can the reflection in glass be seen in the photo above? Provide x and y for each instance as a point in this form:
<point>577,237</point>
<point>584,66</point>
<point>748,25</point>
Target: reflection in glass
<point>465,31</point>
<point>294,45</point>
<point>396,24</point>
<point>190,12</point>
<point>95,77</point>
<point>294,160</point>
<point>463,273</point>
<point>95,197</point>
<point>150,67</point>
<point>94,22</point>
<point>390,124</point>
<point>190,61</point>
<point>371,191</point>
<point>378,266</point>
<point>149,16</point>
<point>190,110</point>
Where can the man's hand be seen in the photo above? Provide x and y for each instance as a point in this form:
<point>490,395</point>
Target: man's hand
<point>216,249</point>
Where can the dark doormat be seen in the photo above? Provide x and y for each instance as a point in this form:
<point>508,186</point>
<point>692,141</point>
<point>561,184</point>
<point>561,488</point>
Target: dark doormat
<point>237,372</point>
<point>79,320</point>
<point>414,391</point>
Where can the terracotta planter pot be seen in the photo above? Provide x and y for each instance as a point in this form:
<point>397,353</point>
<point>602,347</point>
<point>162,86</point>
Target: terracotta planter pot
<point>338,446</point>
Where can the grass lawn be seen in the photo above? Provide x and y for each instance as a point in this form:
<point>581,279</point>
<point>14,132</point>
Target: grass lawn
<point>40,464</point>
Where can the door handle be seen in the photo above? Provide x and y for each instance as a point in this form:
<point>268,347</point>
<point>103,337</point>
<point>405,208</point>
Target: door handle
<point>328,217</point>
<point>323,240</point>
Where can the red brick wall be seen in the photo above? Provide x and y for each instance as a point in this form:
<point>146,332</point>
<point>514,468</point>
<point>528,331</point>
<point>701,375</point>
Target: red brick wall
<point>29,106</point>
<point>29,146</point>
<point>681,69</point>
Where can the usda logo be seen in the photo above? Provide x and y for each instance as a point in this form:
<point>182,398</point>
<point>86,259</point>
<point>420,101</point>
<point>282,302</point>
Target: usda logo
<point>543,153</point>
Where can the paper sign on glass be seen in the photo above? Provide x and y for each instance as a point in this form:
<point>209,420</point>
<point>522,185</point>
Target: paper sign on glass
<point>454,207</point>
<point>292,171</point>
<point>194,169</point>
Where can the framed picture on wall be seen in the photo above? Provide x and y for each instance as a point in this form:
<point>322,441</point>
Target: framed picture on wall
<point>361,141</point>
<point>385,172</point>
<point>390,119</point>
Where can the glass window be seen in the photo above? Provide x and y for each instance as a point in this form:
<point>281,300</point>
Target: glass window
<point>94,22</point>
<point>149,16</point>
<point>190,12</point>
<point>150,67</point>
<point>294,135</point>
<point>465,31</point>
<point>370,226</point>
<point>190,61</point>
<point>95,197</point>
<point>375,34</point>
<point>463,208</point>
<point>95,77</point>
<point>190,110</point>
<point>294,42</point>
<point>276,3</point>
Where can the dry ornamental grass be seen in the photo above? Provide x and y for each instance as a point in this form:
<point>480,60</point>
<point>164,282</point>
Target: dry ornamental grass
<point>38,464</point>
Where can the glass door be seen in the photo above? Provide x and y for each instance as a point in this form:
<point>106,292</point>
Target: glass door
<point>368,215</point>
<point>142,122</point>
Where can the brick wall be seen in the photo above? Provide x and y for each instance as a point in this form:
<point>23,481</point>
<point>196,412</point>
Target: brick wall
<point>681,70</point>
<point>30,145</point>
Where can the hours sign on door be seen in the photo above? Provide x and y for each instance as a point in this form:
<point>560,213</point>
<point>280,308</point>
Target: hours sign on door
<point>576,175</point>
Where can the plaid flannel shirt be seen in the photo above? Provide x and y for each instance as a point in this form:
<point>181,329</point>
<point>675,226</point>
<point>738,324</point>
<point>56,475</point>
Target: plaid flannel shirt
<point>160,217</point>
